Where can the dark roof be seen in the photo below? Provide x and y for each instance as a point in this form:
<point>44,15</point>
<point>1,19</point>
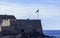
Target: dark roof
<point>7,17</point>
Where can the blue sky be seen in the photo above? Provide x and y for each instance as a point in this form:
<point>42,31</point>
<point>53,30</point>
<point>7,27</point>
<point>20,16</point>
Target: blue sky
<point>23,9</point>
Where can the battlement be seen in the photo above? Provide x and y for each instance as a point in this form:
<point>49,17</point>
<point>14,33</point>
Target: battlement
<point>7,17</point>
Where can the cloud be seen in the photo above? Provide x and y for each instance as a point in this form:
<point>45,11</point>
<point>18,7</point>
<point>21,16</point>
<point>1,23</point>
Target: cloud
<point>51,23</point>
<point>49,14</point>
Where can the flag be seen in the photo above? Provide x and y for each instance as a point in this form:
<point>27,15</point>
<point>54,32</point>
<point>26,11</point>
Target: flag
<point>37,11</point>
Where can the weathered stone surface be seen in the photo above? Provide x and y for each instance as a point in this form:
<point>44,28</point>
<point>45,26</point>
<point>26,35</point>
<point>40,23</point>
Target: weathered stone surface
<point>24,27</point>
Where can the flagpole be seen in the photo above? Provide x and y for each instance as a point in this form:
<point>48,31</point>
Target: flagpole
<point>37,14</point>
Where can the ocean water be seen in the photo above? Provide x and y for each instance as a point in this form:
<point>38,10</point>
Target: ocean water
<point>55,33</point>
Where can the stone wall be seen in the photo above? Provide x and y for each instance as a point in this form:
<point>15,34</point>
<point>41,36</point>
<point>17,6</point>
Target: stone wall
<point>27,25</point>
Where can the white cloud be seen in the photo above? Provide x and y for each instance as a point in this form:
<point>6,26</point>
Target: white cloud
<point>49,14</point>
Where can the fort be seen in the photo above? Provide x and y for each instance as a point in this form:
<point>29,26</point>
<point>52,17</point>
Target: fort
<point>10,27</point>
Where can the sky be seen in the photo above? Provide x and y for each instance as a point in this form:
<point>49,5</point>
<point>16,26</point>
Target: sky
<point>49,11</point>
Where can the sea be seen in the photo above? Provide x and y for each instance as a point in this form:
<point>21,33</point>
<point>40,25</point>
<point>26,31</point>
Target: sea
<point>55,33</point>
